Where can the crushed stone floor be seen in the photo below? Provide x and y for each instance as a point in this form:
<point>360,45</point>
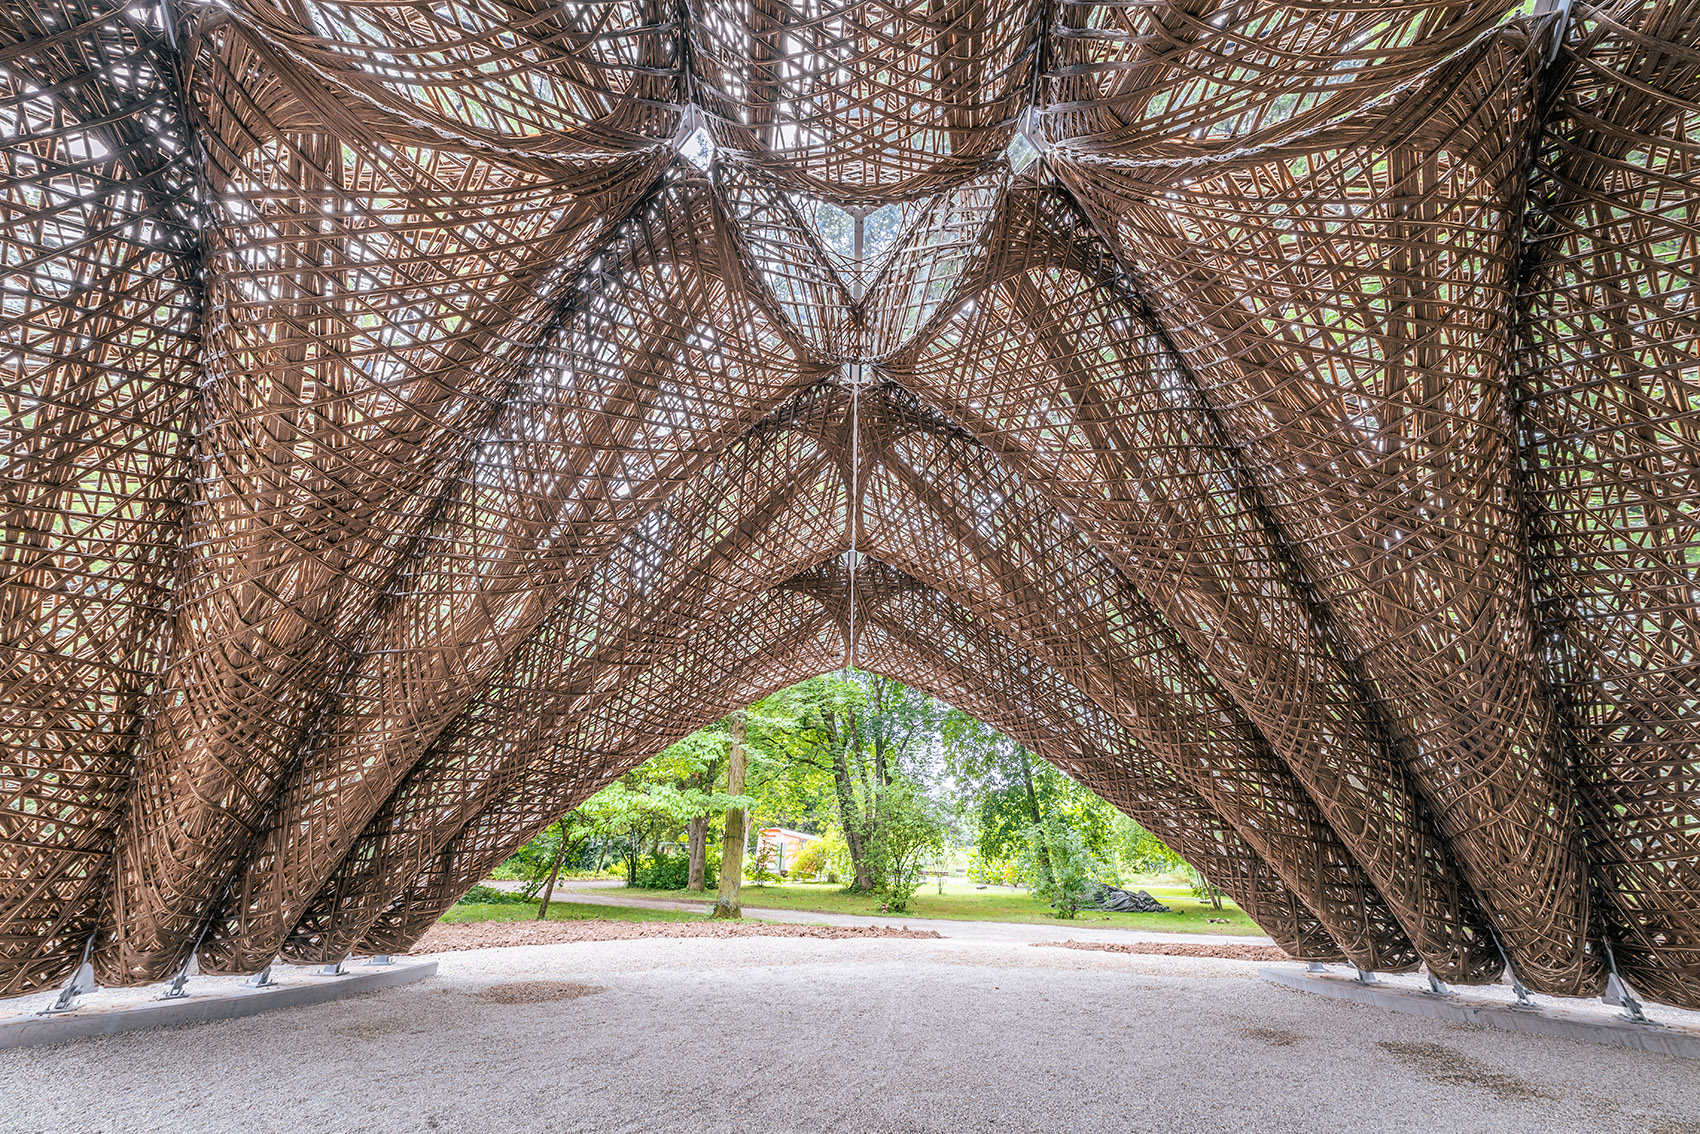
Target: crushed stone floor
<point>805,1034</point>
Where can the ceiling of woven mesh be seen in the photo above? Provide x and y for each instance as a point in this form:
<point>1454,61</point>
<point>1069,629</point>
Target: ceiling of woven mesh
<point>1282,417</point>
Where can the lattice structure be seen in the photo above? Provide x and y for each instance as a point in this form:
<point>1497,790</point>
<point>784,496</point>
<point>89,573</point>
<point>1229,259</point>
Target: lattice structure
<point>1284,418</point>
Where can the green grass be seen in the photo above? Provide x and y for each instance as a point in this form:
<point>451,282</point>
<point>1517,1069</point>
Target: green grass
<point>962,902</point>
<point>560,911</point>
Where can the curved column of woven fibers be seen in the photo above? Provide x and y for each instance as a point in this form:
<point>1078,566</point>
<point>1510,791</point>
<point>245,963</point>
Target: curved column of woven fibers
<point>312,941</point>
<point>1345,307</point>
<point>917,636</point>
<point>1166,82</point>
<point>521,79</point>
<point>1042,359</point>
<point>881,101</point>
<point>660,362</point>
<point>1016,565</point>
<point>772,506</point>
<point>781,632</point>
<point>495,720</point>
<point>367,304</point>
<point>528,809</point>
<point>97,381</point>
<point>1611,397</point>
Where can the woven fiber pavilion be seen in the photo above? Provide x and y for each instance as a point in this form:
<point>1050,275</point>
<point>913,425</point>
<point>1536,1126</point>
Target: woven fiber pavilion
<point>1284,417</point>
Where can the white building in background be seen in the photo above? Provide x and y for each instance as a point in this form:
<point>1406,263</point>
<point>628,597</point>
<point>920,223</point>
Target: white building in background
<point>782,846</point>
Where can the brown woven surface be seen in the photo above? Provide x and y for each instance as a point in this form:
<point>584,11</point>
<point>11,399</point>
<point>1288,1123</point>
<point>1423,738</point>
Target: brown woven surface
<point>1610,423</point>
<point>402,440</point>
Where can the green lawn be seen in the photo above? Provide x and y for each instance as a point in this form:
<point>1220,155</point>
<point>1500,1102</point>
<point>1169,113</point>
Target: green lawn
<point>961,901</point>
<point>560,911</point>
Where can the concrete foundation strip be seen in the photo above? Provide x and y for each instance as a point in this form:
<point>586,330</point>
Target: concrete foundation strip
<point>90,1019</point>
<point>1554,1020</point>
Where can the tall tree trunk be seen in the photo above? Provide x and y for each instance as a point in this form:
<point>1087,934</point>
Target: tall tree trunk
<point>848,817</point>
<point>864,881</point>
<point>554,873</point>
<point>1033,806</point>
<point>698,881</point>
<point>631,858</point>
<point>729,903</point>
<point>704,782</point>
<point>873,806</point>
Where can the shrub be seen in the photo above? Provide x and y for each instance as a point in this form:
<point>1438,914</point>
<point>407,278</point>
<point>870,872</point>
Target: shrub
<point>758,868</point>
<point>812,861</point>
<point>673,872</point>
<point>837,852</point>
<point>482,895</point>
<point>1203,889</point>
<point>1062,868</point>
<point>911,832</point>
<point>991,871</point>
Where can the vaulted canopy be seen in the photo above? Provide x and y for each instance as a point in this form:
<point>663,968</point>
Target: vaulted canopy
<point>1285,418</point>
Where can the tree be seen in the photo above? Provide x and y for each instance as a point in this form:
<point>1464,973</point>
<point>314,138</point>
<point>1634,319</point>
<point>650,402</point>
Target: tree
<point>694,763</point>
<point>1072,867</point>
<point>570,832</point>
<point>911,831</point>
<point>842,739</point>
<point>728,904</point>
<point>1141,852</point>
<point>1004,790</point>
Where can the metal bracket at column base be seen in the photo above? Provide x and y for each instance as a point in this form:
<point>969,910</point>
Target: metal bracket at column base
<point>1617,994</point>
<point>81,982</point>
<point>176,989</point>
<point>1564,1019</point>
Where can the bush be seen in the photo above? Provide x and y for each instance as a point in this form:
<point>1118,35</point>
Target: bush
<point>1203,889</point>
<point>837,852</point>
<point>1061,866</point>
<point>812,861</point>
<point>482,895</point>
<point>758,868</point>
<point>991,871</point>
<point>911,832</point>
<point>673,872</point>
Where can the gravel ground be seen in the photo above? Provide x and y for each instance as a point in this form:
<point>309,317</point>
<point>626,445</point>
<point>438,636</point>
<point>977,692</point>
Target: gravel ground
<point>769,1034</point>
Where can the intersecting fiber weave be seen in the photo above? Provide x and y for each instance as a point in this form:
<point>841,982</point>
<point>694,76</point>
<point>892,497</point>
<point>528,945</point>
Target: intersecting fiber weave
<point>1283,418</point>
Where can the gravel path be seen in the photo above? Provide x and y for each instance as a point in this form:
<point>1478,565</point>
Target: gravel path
<point>763,1034</point>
